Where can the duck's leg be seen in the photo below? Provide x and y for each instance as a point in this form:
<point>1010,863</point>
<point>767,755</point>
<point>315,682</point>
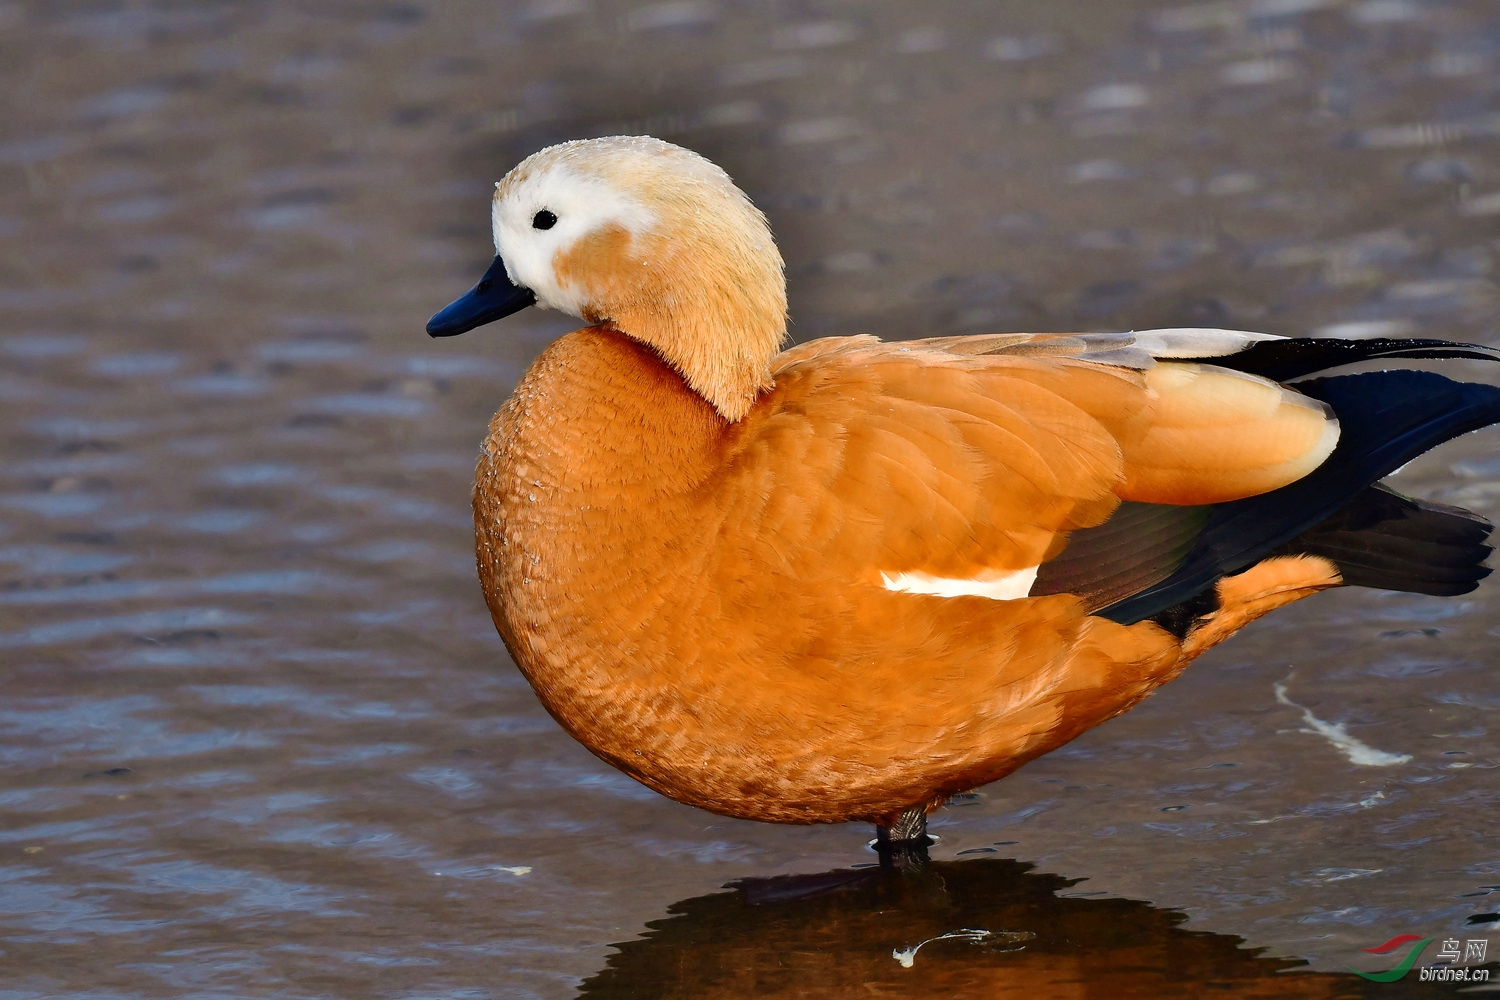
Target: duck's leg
<point>910,826</point>
<point>903,844</point>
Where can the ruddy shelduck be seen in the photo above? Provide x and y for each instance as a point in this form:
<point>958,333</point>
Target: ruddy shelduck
<point>850,579</point>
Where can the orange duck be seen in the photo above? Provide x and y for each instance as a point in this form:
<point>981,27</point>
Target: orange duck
<point>847,580</point>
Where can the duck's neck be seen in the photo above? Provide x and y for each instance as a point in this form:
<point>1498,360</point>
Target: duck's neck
<point>714,310</point>
<point>601,419</point>
<point>726,362</point>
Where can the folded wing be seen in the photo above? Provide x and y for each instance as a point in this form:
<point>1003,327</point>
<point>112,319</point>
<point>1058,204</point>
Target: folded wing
<point>970,460</point>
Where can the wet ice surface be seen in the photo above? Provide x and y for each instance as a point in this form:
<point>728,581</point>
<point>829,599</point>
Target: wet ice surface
<point>259,737</point>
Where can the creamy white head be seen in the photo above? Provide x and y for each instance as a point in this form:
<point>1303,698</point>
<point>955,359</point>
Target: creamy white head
<point>657,242</point>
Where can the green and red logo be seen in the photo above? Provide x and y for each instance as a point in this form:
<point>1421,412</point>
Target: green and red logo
<point>1399,941</point>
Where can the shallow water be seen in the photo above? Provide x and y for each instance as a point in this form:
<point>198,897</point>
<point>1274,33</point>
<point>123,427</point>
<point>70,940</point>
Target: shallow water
<point>259,736</point>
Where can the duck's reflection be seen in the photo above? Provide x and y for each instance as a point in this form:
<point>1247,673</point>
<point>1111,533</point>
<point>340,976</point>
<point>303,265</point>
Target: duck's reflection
<point>982,927</point>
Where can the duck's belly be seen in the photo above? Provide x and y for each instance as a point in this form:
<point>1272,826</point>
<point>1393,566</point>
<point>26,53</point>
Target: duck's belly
<point>767,698</point>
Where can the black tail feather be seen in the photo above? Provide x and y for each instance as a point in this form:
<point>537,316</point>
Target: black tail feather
<point>1385,540</point>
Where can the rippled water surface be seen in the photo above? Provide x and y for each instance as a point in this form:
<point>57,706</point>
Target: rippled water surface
<point>259,738</point>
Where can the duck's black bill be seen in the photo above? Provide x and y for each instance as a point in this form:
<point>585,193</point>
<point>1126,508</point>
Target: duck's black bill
<point>495,297</point>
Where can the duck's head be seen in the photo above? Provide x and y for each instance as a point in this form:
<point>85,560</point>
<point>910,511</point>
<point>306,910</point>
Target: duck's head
<point>650,239</point>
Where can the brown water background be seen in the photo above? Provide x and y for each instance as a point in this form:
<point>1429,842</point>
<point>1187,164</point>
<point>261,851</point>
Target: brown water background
<point>258,736</point>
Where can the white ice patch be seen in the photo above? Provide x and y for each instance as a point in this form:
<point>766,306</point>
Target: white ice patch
<point>908,956</point>
<point>997,587</point>
<point>1189,342</point>
<point>1356,750</point>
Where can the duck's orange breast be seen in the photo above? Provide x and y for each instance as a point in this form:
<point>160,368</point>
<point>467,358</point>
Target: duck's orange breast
<point>703,604</point>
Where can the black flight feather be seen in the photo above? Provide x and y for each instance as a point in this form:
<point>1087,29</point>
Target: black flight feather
<point>1295,357</point>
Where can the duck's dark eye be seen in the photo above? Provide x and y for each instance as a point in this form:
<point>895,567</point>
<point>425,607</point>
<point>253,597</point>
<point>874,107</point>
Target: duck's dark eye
<point>543,220</point>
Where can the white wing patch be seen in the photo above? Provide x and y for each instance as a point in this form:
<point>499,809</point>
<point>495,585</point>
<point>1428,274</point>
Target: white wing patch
<point>996,586</point>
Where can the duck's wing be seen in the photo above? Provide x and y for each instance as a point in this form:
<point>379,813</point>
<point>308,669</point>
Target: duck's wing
<point>1389,418</point>
<point>918,467</point>
<point>1150,559</point>
<point>972,459</point>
